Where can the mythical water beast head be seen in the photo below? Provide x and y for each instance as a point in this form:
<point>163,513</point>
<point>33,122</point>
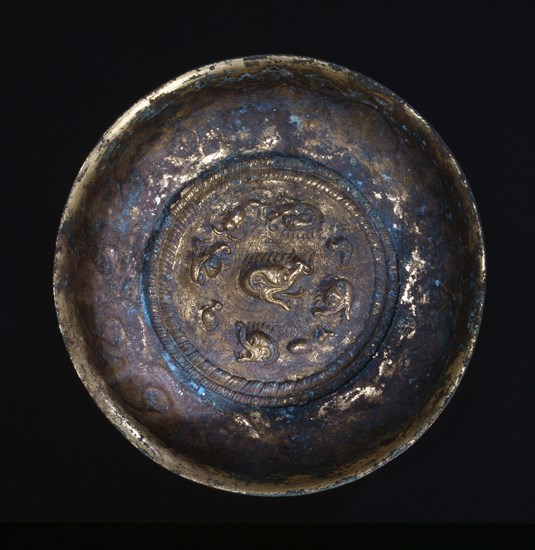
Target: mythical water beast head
<point>258,345</point>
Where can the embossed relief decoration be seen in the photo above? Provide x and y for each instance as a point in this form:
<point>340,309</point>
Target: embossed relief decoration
<point>269,283</point>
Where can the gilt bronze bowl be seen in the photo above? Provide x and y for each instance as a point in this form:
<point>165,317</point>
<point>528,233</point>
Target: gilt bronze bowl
<point>270,274</point>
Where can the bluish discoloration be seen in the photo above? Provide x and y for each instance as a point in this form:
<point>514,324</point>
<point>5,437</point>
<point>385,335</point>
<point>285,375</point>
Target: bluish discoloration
<point>296,121</point>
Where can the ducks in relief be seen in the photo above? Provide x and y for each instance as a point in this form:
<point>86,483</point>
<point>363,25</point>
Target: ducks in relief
<point>210,315</point>
<point>306,345</point>
<point>231,224</point>
<point>343,246</point>
<point>206,262</point>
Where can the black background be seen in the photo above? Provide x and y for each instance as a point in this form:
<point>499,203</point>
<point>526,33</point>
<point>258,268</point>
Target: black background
<point>70,69</point>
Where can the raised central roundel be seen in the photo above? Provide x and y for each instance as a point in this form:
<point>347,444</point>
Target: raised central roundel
<point>271,281</point>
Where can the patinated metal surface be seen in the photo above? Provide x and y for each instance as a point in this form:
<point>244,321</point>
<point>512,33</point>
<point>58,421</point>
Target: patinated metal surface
<point>270,275</point>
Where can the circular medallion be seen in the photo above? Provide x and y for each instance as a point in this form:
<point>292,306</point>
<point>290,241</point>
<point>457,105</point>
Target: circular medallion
<point>271,281</point>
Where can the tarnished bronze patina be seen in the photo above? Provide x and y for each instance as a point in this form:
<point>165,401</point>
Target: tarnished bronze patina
<point>270,275</point>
